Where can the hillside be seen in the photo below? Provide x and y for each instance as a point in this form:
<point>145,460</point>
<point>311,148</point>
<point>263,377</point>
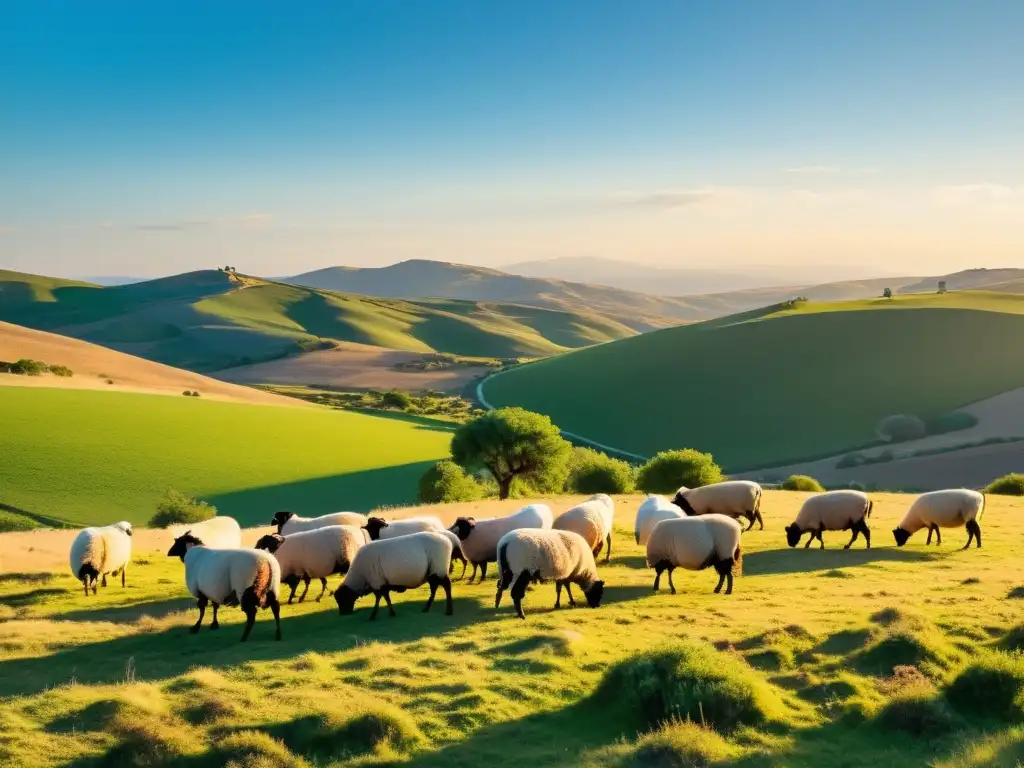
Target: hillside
<point>207,321</point>
<point>782,385</point>
<point>96,457</point>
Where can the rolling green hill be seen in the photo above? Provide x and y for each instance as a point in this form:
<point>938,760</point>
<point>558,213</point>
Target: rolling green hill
<point>206,321</point>
<point>96,457</point>
<point>780,384</point>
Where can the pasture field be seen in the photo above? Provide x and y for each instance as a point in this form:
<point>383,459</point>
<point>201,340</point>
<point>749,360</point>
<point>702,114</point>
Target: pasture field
<point>811,381</point>
<point>88,457</point>
<point>833,657</point>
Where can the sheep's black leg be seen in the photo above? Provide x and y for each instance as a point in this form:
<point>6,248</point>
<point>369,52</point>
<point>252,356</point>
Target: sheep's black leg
<point>728,580</point>
<point>821,540</point>
<point>568,592</point>
<point>446,585</point>
<point>215,624</point>
<point>721,577</point>
<point>760,520</point>
<point>856,533</point>
<point>376,605</point>
<point>463,574</point>
<point>809,541</point>
<point>387,599</point>
<point>659,566</point>
<point>275,608</point>
<point>938,535</point>
<point>434,583</point>
<point>597,550</point>
<point>125,568</point>
<point>608,551</point>
<point>671,586</point>
<point>201,602</point>
<point>323,588</point>
<point>518,592</point>
<point>305,580</point>
<point>931,530</point>
<point>85,583</point>
<point>973,532</point>
<point>104,583</point>
<point>483,571</point>
<point>977,534</point>
<point>249,605</point>
<point>472,575</point>
<point>866,531</point>
<point>292,582</point>
<point>750,519</point>
<point>558,594</point>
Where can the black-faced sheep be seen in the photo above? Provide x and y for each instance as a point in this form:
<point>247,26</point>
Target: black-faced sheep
<point>832,511</point>
<point>480,537</point>
<point>314,554</point>
<point>734,498</point>
<point>696,543</point>
<point>949,508</point>
<point>289,522</point>
<point>96,552</point>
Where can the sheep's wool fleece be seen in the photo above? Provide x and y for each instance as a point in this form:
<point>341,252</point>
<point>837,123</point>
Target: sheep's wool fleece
<point>297,524</point>
<point>690,542</point>
<point>411,525</point>
<point>607,505</point>
<point>550,554</point>
<point>221,574</point>
<point>653,510</point>
<point>946,509</point>
<point>318,553</point>
<point>587,520</point>
<point>216,533</point>
<point>482,543</point>
<point>405,561</point>
<point>107,548</point>
<point>733,497</point>
<point>832,511</point>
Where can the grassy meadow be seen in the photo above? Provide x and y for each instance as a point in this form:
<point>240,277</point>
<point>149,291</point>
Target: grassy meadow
<point>840,658</point>
<point>809,381</point>
<point>89,457</point>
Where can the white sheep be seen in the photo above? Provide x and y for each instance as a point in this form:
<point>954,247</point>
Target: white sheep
<point>590,521</point>
<point>250,578</point>
<point>695,543</point>
<point>735,498</point>
<point>949,508</point>
<point>314,554</point>
<point>289,522</point>
<point>527,555</point>
<point>95,552</point>
<point>218,532</point>
<point>832,511</point>
<point>395,565</point>
<point>480,537</point>
<point>379,528</point>
<point>652,511</point>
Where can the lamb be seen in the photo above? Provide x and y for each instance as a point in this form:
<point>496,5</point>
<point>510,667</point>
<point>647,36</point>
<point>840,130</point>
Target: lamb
<point>480,537</point>
<point>735,498</point>
<point>695,543</point>
<point>950,508</point>
<point>95,552</point>
<point>591,521</point>
<point>652,511</point>
<point>526,555</point>
<point>247,577</point>
<point>832,511</point>
<point>395,565</point>
<point>289,522</point>
<point>378,528</point>
<point>314,554</point>
<point>216,533</point>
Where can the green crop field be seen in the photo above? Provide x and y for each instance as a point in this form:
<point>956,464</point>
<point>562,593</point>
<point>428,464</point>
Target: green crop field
<point>856,659</point>
<point>772,386</point>
<point>95,457</point>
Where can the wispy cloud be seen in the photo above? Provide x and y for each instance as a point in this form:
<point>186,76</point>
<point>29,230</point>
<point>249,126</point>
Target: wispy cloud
<point>674,198</point>
<point>175,226</point>
<point>984,193</point>
<point>245,221</point>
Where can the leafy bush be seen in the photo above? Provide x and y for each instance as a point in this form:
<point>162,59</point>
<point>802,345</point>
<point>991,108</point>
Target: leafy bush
<point>669,470</point>
<point>176,508</point>
<point>591,471</point>
<point>28,367</point>
<point>61,370</point>
<point>11,521</point>
<point>802,483</point>
<point>951,422</point>
<point>187,393</point>
<point>901,427</point>
<point>447,482</point>
<point>396,398</point>
<point>991,686</point>
<point>1007,485</point>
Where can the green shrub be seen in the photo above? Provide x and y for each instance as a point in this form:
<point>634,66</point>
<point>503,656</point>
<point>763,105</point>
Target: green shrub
<point>329,736</point>
<point>28,367</point>
<point>447,482</point>
<point>669,470</point>
<point>991,686</point>
<point>802,483</point>
<point>901,427</point>
<point>919,712</point>
<point>11,521</point>
<point>176,508</point>
<point>396,398</point>
<point>1007,485</point>
<point>61,370</point>
<point>951,422</point>
<point>591,471</point>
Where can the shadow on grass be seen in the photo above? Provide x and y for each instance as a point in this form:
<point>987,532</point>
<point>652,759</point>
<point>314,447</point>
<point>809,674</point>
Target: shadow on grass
<point>31,597</point>
<point>422,422</point>
<point>133,612</point>
<point>42,577</point>
<point>799,560</point>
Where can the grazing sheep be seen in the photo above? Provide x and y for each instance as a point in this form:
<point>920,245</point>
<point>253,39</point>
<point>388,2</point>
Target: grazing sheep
<point>314,554</point>
<point>589,521</point>
<point>529,554</point>
<point>289,522</point>
<point>735,498</point>
<point>950,508</point>
<point>250,578</point>
<point>832,511</point>
<point>480,537</point>
<point>395,565</point>
<point>652,511</point>
<point>379,528</point>
<point>695,543</point>
<point>216,533</point>
<point>95,552</point>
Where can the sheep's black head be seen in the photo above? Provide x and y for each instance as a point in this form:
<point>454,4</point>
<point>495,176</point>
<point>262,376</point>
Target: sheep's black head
<point>901,536</point>
<point>793,534</point>
<point>463,527</point>
<point>595,593</point>
<point>271,542</point>
<point>183,544</point>
<point>374,526</point>
<point>680,501</point>
<point>346,598</point>
<point>280,518</point>
<point>125,528</point>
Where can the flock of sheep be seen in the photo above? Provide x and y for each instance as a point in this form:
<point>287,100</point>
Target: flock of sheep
<point>697,529</point>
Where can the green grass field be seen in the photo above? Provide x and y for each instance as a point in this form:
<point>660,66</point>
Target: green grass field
<point>772,386</point>
<point>206,321</point>
<point>90,457</point>
<point>840,658</point>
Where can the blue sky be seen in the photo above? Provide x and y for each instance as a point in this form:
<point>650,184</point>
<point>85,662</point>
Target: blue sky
<point>148,138</point>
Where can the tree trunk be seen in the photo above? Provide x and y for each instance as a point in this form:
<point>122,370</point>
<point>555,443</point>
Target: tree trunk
<point>504,485</point>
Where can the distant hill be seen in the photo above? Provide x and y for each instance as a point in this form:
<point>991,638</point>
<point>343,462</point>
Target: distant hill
<point>780,385</point>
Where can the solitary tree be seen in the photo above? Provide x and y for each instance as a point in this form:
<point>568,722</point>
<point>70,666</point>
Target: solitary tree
<point>887,293</point>
<point>510,443</point>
